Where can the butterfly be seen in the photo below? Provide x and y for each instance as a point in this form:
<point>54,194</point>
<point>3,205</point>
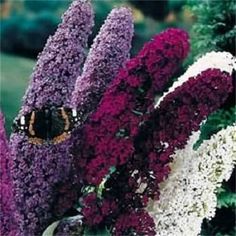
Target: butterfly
<point>49,124</point>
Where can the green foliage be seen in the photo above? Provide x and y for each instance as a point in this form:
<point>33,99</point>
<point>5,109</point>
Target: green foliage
<point>101,232</point>
<point>27,35</point>
<point>176,5</point>
<point>38,29</point>
<point>30,23</point>
<point>26,30</point>
<point>44,5</point>
<point>215,26</point>
<point>223,224</point>
<point>215,122</point>
<point>102,9</point>
<point>226,198</point>
<point>49,231</point>
<point>15,73</point>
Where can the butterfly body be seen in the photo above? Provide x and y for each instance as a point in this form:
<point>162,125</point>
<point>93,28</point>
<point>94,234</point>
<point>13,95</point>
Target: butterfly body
<point>49,124</point>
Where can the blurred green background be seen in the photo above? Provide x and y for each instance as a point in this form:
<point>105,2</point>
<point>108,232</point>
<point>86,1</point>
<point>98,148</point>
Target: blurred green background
<point>26,25</point>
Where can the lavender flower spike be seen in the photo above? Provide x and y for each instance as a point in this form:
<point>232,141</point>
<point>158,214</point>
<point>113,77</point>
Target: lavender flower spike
<point>60,62</point>
<point>107,54</point>
<point>39,172</point>
<point>7,223</point>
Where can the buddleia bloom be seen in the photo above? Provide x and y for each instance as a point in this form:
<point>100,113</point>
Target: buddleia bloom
<point>223,61</point>
<point>177,116</point>
<point>8,224</point>
<point>169,127</point>
<point>108,53</point>
<point>39,171</point>
<point>189,194</point>
<point>59,64</point>
<point>107,137</point>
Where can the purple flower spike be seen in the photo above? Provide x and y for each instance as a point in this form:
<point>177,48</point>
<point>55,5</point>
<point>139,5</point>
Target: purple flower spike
<point>60,62</point>
<point>108,53</point>
<point>40,172</point>
<point>4,154</point>
<point>7,223</point>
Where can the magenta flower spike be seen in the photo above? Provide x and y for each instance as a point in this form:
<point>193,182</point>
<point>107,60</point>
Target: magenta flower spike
<point>179,114</point>
<point>8,224</point>
<point>39,172</point>
<point>169,127</point>
<point>107,138</point>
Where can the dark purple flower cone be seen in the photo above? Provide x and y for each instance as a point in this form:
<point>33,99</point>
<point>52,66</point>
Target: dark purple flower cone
<point>179,114</point>
<point>107,137</point>
<point>125,104</point>
<point>168,128</point>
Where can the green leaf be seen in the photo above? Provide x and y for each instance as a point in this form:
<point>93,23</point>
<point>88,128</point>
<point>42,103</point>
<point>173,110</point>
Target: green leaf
<point>50,229</point>
<point>211,30</point>
<point>101,232</point>
<point>215,122</point>
<point>226,198</point>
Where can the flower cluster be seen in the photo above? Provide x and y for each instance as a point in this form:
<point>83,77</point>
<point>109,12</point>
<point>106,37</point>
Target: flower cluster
<point>108,137</point>
<point>44,181</point>
<point>96,209</point>
<point>170,125</point>
<point>38,171</point>
<point>165,130</point>
<point>223,61</point>
<point>8,225</point>
<point>108,53</point>
<point>134,223</point>
<point>59,64</point>
<point>115,161</point>
<point>189,194</point>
